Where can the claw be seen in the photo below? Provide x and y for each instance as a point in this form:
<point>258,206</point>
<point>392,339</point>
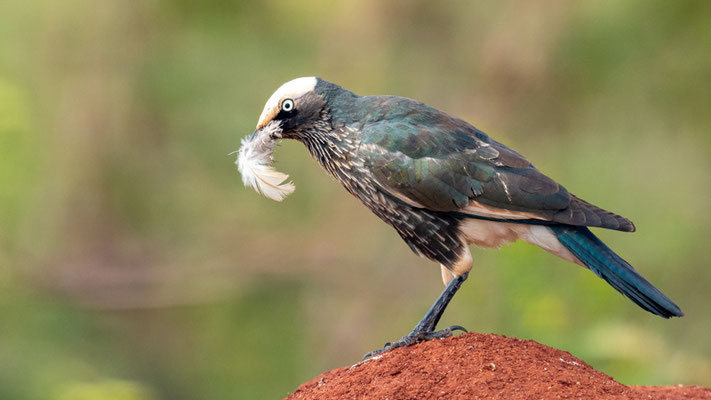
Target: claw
<point>372,354</point>
<point>425,329</point>
<point>415,337</point>
<point>457,328</point>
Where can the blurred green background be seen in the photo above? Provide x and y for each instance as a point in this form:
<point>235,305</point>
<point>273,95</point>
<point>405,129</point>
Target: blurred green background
<point>135,265</point>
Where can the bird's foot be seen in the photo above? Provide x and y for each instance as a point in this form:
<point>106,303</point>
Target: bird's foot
<point>416,337</point>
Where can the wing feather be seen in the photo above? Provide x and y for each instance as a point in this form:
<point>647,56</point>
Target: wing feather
<point>448,165</point>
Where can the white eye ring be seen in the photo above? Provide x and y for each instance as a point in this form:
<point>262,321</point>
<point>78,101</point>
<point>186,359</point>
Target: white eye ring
<point>287,105</point>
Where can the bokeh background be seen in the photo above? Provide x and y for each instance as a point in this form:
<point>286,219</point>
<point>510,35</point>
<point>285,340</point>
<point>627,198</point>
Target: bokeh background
<point>134,265</point>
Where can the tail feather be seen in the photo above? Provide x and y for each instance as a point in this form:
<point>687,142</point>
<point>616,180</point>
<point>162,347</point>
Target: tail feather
<point>582,213</point>
<point>601,260</point>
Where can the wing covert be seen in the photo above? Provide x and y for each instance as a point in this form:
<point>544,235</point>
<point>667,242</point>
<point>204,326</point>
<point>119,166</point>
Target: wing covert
<point>448,165</point>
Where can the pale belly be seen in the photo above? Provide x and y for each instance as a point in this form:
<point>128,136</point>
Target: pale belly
<point>496,234</point>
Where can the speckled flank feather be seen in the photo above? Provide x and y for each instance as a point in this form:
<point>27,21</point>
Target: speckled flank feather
<point>254,163</point>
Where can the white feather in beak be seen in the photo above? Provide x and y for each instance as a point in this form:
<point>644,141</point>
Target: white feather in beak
<point>254,163</point>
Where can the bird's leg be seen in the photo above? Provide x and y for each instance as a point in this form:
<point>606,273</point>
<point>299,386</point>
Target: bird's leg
<point>425,329</point>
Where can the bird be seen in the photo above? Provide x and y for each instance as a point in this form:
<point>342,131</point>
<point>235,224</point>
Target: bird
<point>441,183</point>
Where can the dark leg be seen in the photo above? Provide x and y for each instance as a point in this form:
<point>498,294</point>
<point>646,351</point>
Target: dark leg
<point>425,329</point>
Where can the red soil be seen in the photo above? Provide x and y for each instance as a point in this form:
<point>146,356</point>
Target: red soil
<point>477,366</point>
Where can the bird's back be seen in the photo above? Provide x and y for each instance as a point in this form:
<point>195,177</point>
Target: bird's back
<point>432,160</point>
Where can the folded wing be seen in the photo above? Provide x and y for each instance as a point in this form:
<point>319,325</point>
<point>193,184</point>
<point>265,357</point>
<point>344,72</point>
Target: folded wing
<point>432,160</point>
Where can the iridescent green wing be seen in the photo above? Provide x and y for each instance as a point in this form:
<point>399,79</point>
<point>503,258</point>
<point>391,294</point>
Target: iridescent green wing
<point>432,160</point>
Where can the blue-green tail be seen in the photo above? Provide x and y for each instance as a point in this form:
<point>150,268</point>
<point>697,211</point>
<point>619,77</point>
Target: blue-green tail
<point>601,260</point>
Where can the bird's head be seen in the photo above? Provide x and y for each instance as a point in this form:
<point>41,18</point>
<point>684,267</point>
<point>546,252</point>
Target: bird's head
<point>291,112</point>
<point>292,109</point>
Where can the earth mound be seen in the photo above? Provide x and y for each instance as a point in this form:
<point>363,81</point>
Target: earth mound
<point>476,366</point>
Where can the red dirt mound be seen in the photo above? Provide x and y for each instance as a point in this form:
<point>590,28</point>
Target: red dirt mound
<point>475,366</point>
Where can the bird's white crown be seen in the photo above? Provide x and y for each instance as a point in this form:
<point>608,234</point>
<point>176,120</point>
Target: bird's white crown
<point>293,89</point>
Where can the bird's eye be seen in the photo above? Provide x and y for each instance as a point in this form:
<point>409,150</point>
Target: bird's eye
<point>287,105</point>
